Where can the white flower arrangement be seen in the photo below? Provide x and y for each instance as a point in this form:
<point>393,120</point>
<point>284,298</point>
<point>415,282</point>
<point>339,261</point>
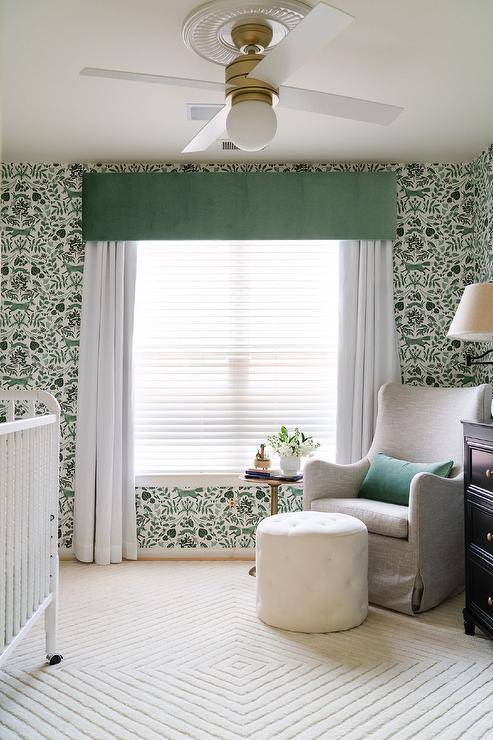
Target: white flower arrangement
<point>292,443</point>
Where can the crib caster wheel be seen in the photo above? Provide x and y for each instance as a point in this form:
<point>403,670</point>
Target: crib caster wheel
<point>54,659</point>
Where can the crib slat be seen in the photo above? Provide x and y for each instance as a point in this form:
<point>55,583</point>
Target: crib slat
<point>3,518</point>
<point>46,509</point>
<point>42,522</point>
<point>9,543</point>
<point>36,518</point>
<point>24,527</point>
<point>32,530</point>
<point>16,618</point>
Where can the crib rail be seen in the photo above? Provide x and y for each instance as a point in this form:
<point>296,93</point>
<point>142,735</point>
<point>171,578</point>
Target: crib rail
<point>29,450</point>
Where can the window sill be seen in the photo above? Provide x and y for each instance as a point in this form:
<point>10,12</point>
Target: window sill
<point>198,480</point>
<point>188,480</point>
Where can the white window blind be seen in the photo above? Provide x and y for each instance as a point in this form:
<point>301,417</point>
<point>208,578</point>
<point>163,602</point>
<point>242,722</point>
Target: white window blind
<point>232,339</point>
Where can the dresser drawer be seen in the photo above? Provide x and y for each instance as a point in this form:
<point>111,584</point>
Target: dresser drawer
<point>482,469</point>
<point>481,528</point>
<point>481,588</point>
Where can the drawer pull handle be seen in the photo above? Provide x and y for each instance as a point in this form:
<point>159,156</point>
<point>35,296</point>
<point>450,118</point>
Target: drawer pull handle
<point>489,537</point>
<point>489,473</point>
<point>490,601</point>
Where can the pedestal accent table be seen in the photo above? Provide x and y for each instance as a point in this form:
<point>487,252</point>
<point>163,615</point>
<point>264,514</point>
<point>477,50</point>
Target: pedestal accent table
<point>274,484</point>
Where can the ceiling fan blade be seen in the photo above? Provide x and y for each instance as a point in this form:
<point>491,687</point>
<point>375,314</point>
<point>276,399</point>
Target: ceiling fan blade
<point>314,32</point>
<point>118,74</point>
<point>208,133</point>
<point>356,109</point>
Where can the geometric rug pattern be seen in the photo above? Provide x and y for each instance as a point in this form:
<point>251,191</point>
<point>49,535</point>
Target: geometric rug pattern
<point>174,650</point>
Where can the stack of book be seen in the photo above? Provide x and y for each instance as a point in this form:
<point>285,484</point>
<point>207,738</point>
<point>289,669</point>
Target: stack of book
<point>260,474</point>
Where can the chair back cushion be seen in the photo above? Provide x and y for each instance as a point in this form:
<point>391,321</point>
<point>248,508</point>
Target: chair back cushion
<point>389,479</point>
<point>423,424</point>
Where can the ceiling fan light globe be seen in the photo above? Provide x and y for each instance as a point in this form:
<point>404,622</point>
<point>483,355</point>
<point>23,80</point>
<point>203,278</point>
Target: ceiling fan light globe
<point>251,125</point>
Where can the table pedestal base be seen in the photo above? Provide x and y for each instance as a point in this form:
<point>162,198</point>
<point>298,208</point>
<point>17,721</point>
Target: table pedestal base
<point>274,503</point>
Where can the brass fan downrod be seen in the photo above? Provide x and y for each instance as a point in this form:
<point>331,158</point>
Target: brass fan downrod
<point>251,39</point>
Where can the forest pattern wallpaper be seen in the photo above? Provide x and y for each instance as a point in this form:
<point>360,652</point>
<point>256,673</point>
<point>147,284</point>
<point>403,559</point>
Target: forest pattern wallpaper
<point>440,247</point>
<point>482,169</point>
<point>206,517</point>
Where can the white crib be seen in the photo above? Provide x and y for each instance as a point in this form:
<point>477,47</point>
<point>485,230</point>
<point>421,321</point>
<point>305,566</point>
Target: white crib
<point>29,449</point>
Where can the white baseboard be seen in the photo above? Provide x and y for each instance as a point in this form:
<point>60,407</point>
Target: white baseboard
<point>196,553</point>
<point>66,553</point>
<point>181,553</point>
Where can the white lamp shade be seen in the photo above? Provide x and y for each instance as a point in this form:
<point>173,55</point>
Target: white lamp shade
<point>251,125</point>
<point>473,320</point>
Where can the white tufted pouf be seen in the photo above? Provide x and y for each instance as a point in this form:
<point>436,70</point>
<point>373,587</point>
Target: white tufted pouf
<point>312,571</point>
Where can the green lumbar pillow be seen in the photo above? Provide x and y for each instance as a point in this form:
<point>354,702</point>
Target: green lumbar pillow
<point>389,479</point>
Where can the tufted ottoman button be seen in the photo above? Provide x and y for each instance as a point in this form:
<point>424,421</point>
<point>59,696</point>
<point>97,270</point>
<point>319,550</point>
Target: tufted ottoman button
<point>312,571</point>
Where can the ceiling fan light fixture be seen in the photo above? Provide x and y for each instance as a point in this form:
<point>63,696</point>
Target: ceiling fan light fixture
<point>251,124</point>
<point>235,36</point>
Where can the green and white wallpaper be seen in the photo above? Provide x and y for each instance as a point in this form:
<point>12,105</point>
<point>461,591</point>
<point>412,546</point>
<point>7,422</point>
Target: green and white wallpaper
<point>483,216</point>
<point>482,169</point>
<point>445,217</point>
<point>206,517</point>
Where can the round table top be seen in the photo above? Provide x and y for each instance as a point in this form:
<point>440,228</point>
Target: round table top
<point>272,481</point>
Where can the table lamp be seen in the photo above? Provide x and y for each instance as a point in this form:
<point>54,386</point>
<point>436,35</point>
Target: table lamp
<point>473,320</point>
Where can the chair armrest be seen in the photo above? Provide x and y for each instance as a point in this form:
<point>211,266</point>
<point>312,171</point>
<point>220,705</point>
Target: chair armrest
<point>436,510</point>
<point>323,479</point>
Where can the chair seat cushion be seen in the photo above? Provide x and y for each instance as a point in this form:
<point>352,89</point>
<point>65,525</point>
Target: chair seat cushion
<point>389,520</point>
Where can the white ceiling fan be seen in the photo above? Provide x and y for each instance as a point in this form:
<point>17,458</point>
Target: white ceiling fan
<point>261,44</point>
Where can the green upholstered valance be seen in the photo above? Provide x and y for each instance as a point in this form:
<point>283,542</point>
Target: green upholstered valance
<point>239,205</point>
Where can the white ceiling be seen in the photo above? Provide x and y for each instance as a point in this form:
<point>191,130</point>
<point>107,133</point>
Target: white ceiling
<point>434,57</point>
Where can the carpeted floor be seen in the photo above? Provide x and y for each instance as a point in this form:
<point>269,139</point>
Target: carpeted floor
<point>174,650</point>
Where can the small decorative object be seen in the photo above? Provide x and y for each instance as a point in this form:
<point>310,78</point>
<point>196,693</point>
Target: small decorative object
<point>291,447</point>
<point>261,459</point>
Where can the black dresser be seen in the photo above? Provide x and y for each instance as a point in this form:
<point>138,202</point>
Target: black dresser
<point>478,501</point>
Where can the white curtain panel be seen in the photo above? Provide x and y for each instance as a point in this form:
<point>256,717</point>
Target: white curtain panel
<point>104,519</point>
<point>368,352</point>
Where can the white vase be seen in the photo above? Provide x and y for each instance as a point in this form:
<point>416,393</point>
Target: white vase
<point>290,464</point>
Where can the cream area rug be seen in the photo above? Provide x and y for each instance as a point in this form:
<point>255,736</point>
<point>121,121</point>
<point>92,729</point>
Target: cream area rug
<point>175,650</point>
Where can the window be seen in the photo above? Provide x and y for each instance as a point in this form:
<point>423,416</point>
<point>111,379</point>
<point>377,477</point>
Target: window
<point>232,339</point>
